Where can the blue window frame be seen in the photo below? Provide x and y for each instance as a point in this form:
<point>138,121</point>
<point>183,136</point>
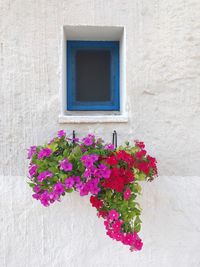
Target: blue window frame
<point>93,75</point>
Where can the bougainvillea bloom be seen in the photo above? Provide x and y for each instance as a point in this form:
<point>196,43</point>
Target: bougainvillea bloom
<point>109,176</point>
<point>45,152</point>
<point>65,165</point>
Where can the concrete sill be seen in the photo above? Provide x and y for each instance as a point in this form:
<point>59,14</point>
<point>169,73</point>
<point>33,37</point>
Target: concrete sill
<point>92,119</point>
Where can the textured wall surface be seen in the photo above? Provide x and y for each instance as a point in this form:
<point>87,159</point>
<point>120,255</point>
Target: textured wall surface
<point>163,76</point>
<point>69,234</point>
<point>163,85</point>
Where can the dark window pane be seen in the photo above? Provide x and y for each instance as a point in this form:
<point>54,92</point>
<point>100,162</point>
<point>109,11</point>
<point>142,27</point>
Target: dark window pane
<point>92,75</point>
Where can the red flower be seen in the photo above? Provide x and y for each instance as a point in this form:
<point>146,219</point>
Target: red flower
<point>98,204</point>
<point>140,144</point>
<point>140,154</point>
<point>111,160</point>
<point>103,214</point>
<point>144,167</point>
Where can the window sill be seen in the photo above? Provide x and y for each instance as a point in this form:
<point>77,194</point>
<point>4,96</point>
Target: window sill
<point>92,119</point>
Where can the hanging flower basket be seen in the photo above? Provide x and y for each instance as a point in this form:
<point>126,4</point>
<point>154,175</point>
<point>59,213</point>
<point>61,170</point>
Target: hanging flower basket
<point>109,175</point>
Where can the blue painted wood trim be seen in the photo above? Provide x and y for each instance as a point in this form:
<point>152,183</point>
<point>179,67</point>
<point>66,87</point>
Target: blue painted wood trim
<point>113,47</point>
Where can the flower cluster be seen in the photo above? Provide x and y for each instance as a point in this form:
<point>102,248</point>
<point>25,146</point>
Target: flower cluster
<point>88,166</point>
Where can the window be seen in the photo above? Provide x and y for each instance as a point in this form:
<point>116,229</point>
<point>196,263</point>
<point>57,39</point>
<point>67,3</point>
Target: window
<point>93,75</point>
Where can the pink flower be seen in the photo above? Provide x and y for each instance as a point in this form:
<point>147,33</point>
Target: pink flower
<point>113,215</point>
<point>79,186</point>
<point>69,182</point>
<point>44,198</point>
<point>44,152</point>
<point>118,236</point>
<point>77,179</point>
<point>36,189</point>
<point>127,193</point>
<point>107,225</point>
<point>140,144</point>
<point>88,141</point>
<point>44,175</point>
<point>65,165</point>
<point>104,171</point>
<point>88,160</point>
<point>84,191</point>
<point>109,147</point>
<point>117,226</point>
<point>33,170</point>
<point>61,133</point>
<point>58,188</point>
<point>128,239</point>
<point>110,233</point>
<point>31,152</point>
<point>138,244</point>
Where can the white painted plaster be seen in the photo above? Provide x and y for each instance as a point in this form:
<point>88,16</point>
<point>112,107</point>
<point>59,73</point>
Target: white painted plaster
<point>69,234</point>
<point>163,102</point>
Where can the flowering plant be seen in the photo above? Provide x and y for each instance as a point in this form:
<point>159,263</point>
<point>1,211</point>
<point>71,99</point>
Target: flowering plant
<point>111,177</point>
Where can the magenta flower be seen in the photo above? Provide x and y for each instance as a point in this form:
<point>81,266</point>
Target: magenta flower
<point>109,147</point>
<point>36,196</point>
<point>31,152</point>
<point>88,160</point>
<point>33,170</point>
<point>58,188</point>
<point>44,175</point>
<point>44,199</point>
<point>36,189</point>
<point>104,171</point>
<point>84,191</point>
<point>65,165</point>
<point>107,225</point>
<point>110,233</point>
<point>128,239</point>
<point>61,133</point>
<point>79,186</point>
<point>137,245</point>
<point>88,141</point>
<point>118,236</point>
<point>117,226</point>
<point>69,182</point>
<point>53,197</point>
<point>127,193</point>
<point>93,186</point>
<point>44,152</point>
<point>77,179</point>
<point>113,215</point>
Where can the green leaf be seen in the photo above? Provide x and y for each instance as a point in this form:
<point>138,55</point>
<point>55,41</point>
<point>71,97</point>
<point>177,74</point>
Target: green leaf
<point>69,190</point>
<point>31,184</point>
<point>140,176</point>
<point>53,146</point>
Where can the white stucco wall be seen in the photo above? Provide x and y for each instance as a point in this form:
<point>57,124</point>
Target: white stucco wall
<point>163,89</point>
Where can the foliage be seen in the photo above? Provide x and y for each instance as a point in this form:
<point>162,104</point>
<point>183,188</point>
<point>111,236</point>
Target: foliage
<point>111,177</point>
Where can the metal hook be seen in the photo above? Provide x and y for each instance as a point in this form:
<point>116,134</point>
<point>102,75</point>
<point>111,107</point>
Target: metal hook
<point>114,138</point>
<point>73,136</point>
